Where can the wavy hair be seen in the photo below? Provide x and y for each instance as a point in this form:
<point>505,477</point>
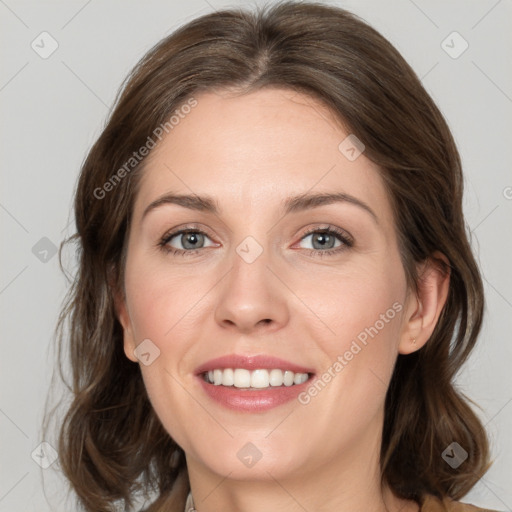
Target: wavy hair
<point>335,57</point>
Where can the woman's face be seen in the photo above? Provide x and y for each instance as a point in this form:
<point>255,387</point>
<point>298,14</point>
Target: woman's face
<point>291,264</point>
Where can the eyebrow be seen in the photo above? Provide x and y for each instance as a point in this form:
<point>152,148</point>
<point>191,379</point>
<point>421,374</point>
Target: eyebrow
<point>306,201</point>
<point>291,204</point>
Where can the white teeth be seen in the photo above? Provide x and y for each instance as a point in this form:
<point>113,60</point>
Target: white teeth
<point>296,379</point>
<point>257,379</point>
<point>217,377</point>
<point>288,378</point>
<point>228,378</point>
<point>276,378</point>
<point>300,378</point>
<point>242,378</point>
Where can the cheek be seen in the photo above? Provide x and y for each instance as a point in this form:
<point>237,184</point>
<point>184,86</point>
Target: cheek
<point>162,302</point>
<point>165,314</point>
<point>357,304</point>
<point>361,313</point>
<point>370,317</point>
<point>166,308</point>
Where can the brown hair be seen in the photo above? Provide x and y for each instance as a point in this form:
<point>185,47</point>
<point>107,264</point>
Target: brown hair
<point>334,57</point>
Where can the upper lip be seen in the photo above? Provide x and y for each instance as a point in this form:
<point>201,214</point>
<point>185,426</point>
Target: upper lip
<point>255,362</point>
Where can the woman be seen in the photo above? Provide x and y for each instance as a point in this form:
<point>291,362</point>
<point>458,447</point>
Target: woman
<point>275,287</point>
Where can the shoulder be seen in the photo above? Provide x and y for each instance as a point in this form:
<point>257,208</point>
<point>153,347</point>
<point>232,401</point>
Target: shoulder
<point>432,504</point>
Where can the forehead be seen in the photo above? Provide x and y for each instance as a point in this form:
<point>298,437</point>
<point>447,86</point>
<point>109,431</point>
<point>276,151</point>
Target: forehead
<point>256,149</point>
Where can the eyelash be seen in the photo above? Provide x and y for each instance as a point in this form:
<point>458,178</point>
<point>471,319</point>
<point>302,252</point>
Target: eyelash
<point>345,238</point>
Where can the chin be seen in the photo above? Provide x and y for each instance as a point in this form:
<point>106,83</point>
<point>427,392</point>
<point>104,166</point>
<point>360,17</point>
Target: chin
<point>249,457</point>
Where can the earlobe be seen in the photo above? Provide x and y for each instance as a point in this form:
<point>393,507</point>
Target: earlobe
<point>124,320</point>
<point>425,307</point>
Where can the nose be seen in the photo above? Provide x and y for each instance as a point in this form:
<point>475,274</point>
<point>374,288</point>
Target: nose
<point>252,299</point>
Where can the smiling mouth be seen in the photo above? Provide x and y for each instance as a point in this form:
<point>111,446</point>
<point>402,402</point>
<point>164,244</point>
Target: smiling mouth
<point>244,379</point>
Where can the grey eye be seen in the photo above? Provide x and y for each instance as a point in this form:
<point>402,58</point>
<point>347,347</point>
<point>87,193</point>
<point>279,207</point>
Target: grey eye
<point>321,240</point>
<point>190,240</point>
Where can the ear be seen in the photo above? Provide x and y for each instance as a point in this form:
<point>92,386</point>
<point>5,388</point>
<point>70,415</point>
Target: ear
<point>124,319</point>
<point>424,308</point>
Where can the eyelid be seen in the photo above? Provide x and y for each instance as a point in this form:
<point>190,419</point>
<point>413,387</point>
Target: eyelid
<point>187,228</point>
<point>177,235</point>
<point>163,242</point>
<point>343,236</point>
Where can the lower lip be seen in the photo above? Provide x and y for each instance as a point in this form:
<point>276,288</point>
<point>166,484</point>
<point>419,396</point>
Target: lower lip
<point>252,400</point>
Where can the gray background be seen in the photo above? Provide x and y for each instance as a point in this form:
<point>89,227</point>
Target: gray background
<point>53,108</point>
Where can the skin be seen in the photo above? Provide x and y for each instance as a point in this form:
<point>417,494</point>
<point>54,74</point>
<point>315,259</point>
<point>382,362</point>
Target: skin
<point>249,153</point>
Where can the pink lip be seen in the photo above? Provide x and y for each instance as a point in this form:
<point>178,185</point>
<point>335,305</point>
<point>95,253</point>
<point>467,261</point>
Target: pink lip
<point>252,400</point>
